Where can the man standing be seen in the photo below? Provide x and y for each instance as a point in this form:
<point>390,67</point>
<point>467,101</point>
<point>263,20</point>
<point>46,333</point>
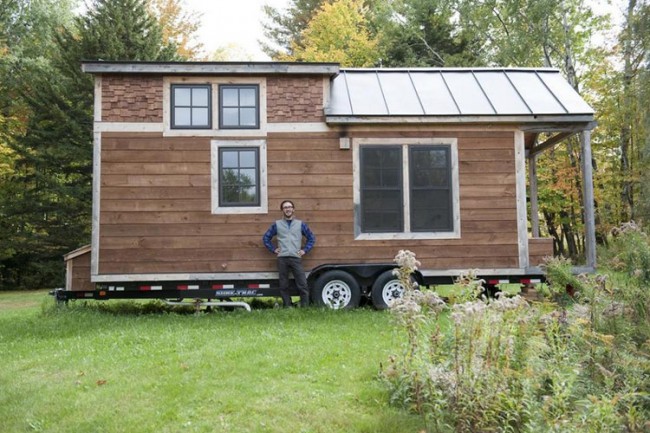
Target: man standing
<point>289,232</point>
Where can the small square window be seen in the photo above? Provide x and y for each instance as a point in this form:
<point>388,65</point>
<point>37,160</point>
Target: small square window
<point>239,106</point>
<point>191,106</point>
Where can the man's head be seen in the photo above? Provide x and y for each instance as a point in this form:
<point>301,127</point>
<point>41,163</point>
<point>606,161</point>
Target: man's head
<point>287,208</point>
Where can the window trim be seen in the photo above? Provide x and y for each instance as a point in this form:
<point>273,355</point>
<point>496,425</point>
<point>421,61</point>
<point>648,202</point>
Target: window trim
<point>239,107</point>
<point>407,234</point>
<point>172,108</point>
<point>216,207</point>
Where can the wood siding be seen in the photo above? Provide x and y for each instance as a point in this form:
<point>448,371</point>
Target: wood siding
<point>538,249</point>
<point>156,212</point>
<point>78,269</point>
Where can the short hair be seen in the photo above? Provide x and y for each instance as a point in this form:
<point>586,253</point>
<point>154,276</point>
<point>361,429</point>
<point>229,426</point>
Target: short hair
<point>286,201</point>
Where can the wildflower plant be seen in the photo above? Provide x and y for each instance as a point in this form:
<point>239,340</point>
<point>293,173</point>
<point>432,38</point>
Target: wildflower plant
<point>501,364</point>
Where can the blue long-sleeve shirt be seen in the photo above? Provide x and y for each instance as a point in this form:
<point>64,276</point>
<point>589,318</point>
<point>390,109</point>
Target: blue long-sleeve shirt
<point>273,231</point>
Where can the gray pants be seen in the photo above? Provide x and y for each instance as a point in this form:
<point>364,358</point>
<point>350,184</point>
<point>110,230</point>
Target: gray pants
<point>293,265</point>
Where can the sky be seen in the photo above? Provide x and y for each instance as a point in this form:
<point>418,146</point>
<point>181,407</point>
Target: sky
<point>233,22</point>
<point>238,23</point>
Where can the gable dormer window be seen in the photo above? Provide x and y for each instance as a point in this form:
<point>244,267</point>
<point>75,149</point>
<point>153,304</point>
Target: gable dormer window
<point>191,106</point>
<point>239,106</point>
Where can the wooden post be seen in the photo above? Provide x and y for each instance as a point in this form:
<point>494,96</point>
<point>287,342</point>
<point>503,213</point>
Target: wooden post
<point>588,197</point>
<point>534,209</point>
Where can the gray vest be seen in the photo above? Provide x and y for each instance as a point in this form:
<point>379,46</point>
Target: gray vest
<point>289,237</point>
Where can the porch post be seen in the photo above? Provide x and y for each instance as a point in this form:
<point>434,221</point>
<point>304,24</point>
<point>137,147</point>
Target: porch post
<point>588,197</point>
<point>532,180</point>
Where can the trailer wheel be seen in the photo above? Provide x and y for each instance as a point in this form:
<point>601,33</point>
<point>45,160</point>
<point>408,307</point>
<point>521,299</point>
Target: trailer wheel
<point>385,290</point>
<point>336,290</point>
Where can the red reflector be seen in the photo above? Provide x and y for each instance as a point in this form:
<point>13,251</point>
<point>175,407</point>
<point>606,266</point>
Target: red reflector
<point>145,287</point>
<point>181,287</point>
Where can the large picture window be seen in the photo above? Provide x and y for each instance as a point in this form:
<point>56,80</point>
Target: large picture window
<point>406,190</point>
<point>191,106</point>
<point>239,106</point>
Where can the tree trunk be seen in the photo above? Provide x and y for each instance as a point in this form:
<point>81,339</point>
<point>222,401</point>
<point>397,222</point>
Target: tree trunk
<point>625,139</point>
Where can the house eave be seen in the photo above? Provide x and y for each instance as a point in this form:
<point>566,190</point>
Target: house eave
<point>532,122</point>
<point>209,68</point>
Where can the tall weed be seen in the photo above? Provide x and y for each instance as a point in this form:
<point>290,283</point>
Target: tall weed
<point>504,365</point>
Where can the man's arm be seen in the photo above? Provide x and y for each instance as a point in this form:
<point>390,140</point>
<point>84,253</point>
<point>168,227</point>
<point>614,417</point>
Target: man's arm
<point>268,236</point>
<point>309,236</point>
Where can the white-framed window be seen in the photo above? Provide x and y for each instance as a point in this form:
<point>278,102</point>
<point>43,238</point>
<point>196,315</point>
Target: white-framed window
<point>406,188</point>
<point>239,179</point>
<point>191,106</point>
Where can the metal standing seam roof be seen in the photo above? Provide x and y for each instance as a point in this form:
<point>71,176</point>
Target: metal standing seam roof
<point>454,92</point>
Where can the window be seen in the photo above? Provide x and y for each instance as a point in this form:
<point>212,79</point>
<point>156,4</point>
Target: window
<point>191,106</point>
<point>239,177</point>
<point>381,189</point>
<point>406,191</point>
<point>239,184</point>
<point>239,106</point>
<point>430,188</point>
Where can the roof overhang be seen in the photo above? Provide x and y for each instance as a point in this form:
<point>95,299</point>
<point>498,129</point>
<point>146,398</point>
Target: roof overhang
<point>209,68</point>
<point>527,123</point>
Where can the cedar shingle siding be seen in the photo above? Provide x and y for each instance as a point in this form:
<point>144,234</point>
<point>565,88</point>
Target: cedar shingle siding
<point>132,98</point>
<point>295,99</point>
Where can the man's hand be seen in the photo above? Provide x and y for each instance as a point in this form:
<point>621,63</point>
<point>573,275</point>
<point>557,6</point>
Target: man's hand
<point>277,251</point>
<point>301,253</point>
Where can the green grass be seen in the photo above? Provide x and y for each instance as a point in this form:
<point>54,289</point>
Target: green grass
<point>116,367</point>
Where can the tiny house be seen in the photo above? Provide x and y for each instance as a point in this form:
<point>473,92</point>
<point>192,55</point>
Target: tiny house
<point>191,162</point>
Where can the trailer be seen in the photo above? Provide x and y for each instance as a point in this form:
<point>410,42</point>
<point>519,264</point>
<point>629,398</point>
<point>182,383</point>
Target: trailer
<point>191,160</point>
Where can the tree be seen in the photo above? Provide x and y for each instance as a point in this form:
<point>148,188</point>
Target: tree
<point>284,28</point>
<point>46,200</point>
<point>423,33</point>
<point>178,26</point>
<point>338,32</point>
<point>634,46</point>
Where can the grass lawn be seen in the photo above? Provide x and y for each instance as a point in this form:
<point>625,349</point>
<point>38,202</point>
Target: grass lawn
<point>91,367</point>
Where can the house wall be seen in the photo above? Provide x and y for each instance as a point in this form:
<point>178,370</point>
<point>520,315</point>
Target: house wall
<point>156,217</point>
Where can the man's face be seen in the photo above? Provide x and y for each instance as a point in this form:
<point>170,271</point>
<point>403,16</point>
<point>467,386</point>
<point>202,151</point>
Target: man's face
<point>287,210</point>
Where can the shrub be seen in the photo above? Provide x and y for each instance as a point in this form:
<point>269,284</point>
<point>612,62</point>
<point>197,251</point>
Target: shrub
<point>504,365</point>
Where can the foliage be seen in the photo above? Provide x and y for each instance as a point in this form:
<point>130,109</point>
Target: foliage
<point>423,33</point>
<point>178,27</point>
<point>338,32</point>
<point>45,199</point>
<point>629,251</point>
<point>284,28</point>
<point>507,365</point>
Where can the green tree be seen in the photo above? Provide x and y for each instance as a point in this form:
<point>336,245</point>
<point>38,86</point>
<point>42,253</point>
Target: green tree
<point>46,200</point>
<point>338,32</point>
<point>424,33</point>
<point>284,28</point>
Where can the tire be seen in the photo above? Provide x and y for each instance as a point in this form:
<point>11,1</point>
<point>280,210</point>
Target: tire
<point>336,290</point>
<point>386,289</point>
